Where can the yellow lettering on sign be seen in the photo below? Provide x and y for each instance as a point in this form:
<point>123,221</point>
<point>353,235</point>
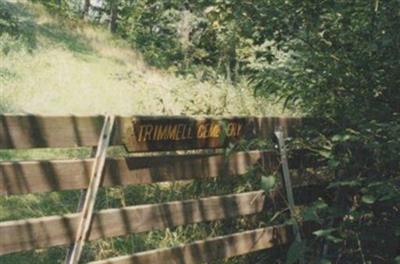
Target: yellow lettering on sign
<point>215,130</point>
<point>234,129</point>
<point>172,129</point>
<point>181,131</point>
<point>162,133</point>
<point>201,131</point>
<point>155,132</point>
<point>147,132</point>
<point>231,130</point>
<point>140,137</point>
<point>239,129</point>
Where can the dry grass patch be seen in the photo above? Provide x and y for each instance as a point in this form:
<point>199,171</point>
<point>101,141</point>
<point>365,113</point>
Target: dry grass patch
<point>78,68</point>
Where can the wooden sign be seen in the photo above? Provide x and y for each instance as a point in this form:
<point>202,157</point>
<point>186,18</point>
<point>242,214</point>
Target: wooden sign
<point>175,133</point>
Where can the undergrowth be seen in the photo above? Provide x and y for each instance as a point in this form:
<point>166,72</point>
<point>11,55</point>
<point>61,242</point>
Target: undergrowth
<point>51,65</point>
<point>37,205</point>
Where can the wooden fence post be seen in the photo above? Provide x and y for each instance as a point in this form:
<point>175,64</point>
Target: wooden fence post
<point>91,193</point>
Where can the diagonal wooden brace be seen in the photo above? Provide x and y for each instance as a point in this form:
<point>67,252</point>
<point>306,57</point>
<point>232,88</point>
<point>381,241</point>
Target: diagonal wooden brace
<point>287,181</point>
<point>91,193</point>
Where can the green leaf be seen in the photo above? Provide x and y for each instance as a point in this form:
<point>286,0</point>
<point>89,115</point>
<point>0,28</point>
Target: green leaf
<point>368,199</point>
<point>353,183</point>
<point>332,163</point>
<point>327,233</point>
<point>295,252</point>
<point>334,239</point>
<point>310,214</point>
<point>210,9</point>
<point>325,153</point>
<point>267,183</point>
<point>341,137</point>
<point>397,260</point>
<point>320,204</point>
<point>324,232</point>
<point>390,196</point>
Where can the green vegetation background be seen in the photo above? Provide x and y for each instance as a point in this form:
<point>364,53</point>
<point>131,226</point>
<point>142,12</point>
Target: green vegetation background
<point>336,60</point>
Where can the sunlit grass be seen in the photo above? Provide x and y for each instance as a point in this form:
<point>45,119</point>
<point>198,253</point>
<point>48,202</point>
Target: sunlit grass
<point>57,66</point>
<point>75,67</point>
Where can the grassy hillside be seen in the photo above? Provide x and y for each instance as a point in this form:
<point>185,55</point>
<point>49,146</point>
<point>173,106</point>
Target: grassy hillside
<point>54,65</point>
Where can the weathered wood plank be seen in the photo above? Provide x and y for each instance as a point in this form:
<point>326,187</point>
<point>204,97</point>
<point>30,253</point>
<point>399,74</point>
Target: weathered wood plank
<point>143,170</point>
<point>42,176</point>
<point>34,131</point>
<point>61,230</point>
<point>155,133</point>
<point>86,214</point>
<point>221,247</point>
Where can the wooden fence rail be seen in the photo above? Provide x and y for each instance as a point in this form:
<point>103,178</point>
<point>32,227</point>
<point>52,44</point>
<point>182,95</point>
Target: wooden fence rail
<point>54,175</point>
<point>60,230</point>
<point>31,131</point>
<point>221,247</point>
<point>146,134</point>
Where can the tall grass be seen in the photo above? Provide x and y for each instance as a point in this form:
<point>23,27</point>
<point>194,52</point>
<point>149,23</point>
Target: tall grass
<point>58,66</point>
<point>37,205</point>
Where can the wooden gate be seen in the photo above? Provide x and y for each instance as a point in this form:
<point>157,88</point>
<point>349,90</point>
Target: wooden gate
<point>199,142</point>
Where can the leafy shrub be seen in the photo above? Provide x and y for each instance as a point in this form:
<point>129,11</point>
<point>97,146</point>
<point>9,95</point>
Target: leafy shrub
<point>8,21</point>
<point>340,61</point>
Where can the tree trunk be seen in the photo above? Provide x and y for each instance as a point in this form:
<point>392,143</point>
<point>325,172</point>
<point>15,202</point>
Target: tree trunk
<point>86,6</point>
<point>184,30</point>
<point>113,16</point>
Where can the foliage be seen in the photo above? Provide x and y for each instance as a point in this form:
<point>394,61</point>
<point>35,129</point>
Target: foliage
<point>102,70</point>
<point>336,60</point>
<point>339,60</point>
<point>151,27</point>
<point>16,30</point>
<point>8,22</point>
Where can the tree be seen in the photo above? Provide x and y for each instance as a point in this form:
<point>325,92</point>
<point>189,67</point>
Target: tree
<point>339,60</point>
<point>113,15</point>
<point>85,8</point>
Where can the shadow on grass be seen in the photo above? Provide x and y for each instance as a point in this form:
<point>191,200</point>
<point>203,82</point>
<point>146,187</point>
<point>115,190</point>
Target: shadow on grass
<point>71,41</point>
<point>16,207</point>
<point>23,31</point>
<point>48,256</point>
<point>19,24</point>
